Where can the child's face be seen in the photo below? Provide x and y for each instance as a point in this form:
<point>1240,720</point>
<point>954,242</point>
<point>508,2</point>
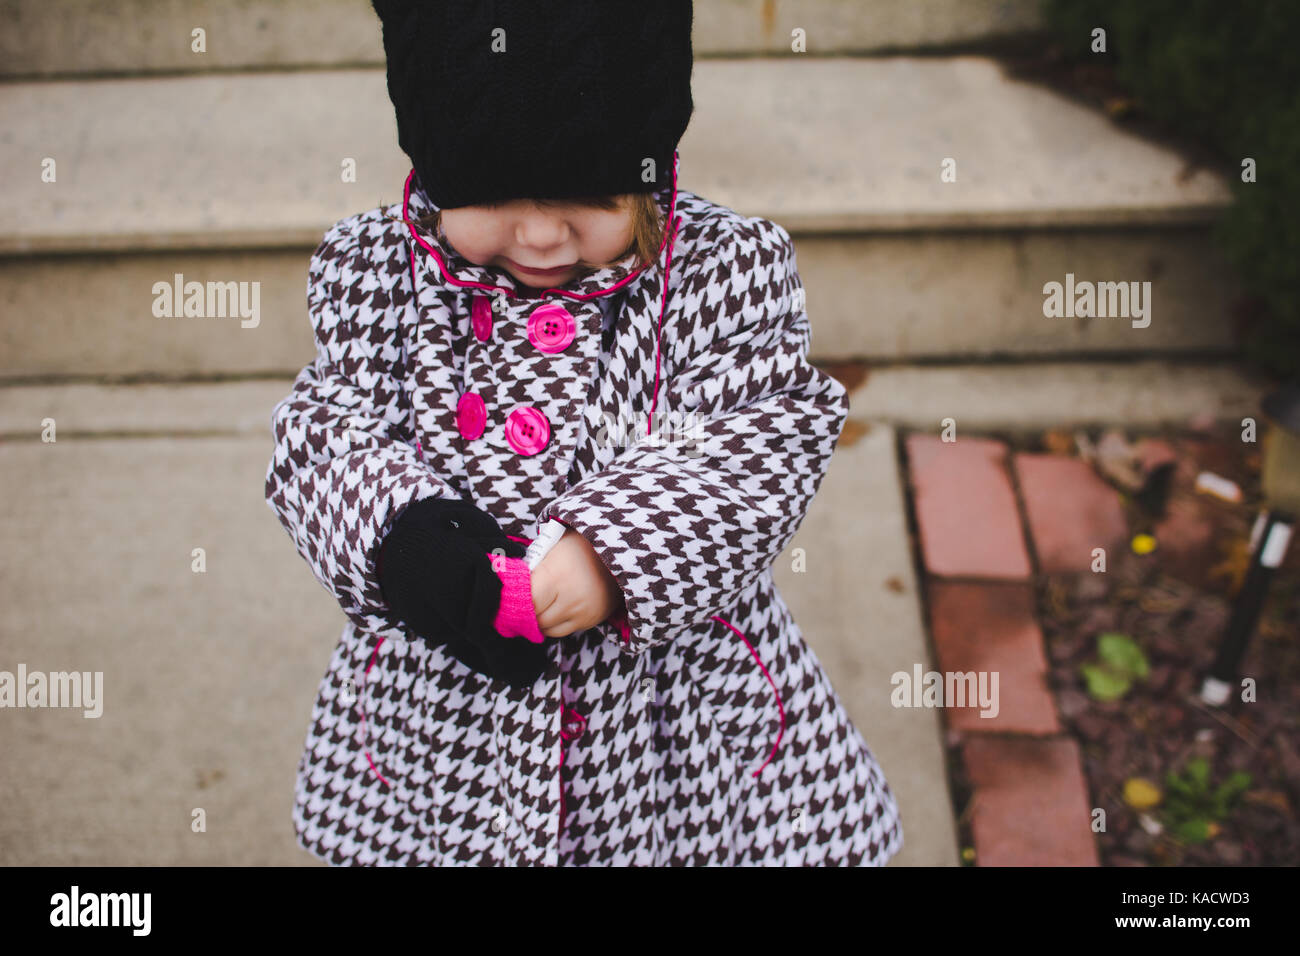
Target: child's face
<point>521,237</point>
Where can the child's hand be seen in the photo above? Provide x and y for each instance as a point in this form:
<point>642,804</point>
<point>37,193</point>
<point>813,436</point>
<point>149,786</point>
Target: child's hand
<point>572,590</point>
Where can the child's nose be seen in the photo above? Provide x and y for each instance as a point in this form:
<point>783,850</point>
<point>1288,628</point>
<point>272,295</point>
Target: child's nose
<point>541,232</point>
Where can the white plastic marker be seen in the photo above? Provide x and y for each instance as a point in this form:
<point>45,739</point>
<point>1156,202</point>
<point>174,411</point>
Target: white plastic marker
<point>1220,487</point>
<point>546,539</point>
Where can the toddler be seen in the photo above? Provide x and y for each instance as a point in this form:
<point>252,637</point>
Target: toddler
<point>560,424</point>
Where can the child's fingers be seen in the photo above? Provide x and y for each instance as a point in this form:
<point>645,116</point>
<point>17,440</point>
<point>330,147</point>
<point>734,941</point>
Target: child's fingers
<point>550,624</point>
<point>561,619</point>
<point>553,621</point>
<point>563,629</point>
<point>568,621</point>
<point>545,608</point>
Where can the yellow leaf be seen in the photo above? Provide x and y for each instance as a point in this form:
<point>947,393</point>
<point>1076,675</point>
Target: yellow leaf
<point>1143,544</point>
<point>1141,794</point>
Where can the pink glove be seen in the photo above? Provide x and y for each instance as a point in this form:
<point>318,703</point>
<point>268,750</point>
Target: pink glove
<point>516,616</point>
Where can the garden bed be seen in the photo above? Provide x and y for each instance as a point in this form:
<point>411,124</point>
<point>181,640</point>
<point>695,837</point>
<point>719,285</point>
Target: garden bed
<point>1172,605</point>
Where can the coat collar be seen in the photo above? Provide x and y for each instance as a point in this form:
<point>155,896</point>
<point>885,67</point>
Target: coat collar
<point>457,270</point>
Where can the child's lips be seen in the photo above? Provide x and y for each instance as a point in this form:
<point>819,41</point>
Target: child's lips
<point>541,272</point>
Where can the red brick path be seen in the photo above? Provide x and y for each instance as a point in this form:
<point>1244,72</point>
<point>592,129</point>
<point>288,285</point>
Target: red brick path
<point>1030,803</point>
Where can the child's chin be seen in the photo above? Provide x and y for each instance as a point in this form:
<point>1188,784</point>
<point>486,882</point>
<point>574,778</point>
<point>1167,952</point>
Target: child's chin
<point>533,282</point>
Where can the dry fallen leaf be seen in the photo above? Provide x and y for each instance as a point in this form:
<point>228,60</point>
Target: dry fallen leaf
<point>853,431</point>
<point>1120,105</point>
<point>1058,441</point>
<point>1087,450</point>
<point>1117,460</point>
<point>1234,566</point>
<point>1141,794</point>
<point>1274,799</point>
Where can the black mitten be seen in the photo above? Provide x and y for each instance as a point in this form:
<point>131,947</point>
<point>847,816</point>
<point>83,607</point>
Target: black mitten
<point>436,576</point>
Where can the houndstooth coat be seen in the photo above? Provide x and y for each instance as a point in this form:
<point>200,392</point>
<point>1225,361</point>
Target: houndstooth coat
<point>695,728</point>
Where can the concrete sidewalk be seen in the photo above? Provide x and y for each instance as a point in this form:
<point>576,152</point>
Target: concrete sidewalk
<point>209,677</point>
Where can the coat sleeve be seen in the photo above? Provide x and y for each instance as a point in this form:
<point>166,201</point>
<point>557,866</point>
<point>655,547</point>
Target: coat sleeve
<point>687,522</point>
<point>345,465</point>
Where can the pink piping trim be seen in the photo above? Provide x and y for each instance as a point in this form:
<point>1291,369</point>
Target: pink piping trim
<point>567,714</point>
<point>780,706</point>
<point>624,630</point>
<point>406,204</point>
<point>670,236</point>
<point>371,761</point>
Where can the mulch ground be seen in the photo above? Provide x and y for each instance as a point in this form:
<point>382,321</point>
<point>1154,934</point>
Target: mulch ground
<point>1175,603</point>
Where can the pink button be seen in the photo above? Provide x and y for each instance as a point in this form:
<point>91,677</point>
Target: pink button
<point>481,317</point>
<point>551,327</point>
<point>471,415</point>
<point>527,430</point>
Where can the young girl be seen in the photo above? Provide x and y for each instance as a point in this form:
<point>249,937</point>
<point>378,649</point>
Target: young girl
<point>548,334</point>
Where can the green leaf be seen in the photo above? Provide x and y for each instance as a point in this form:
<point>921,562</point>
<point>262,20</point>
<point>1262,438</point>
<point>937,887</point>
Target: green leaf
<point>1198,773</point>
<point>1193,831</point>
<point>1233,787</point>
<point>1104,685</point>
<point>1122,654</point>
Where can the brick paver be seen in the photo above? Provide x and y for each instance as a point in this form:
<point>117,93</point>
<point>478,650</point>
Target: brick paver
<point>966,509</point>
<point>989,628</point>
<point>1071,511</point>
<point>1030,803</point>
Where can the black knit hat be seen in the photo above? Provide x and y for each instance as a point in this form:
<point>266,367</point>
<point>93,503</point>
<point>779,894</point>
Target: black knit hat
<point>523,99</point>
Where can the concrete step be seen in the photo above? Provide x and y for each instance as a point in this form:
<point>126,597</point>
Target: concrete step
<point>208,678</point>
<point>235,177</point>
<point>820,145</point>
<point>71,37</point>
<point>1032,396</point>
<point>900,298</point>
<point>983,397</point>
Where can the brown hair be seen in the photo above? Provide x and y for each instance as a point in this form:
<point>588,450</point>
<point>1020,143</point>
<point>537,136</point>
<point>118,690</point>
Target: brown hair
<point>647,222</point>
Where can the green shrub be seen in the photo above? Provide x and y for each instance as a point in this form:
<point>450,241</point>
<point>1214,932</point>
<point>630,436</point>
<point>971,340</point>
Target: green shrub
<point>1225,74</point>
